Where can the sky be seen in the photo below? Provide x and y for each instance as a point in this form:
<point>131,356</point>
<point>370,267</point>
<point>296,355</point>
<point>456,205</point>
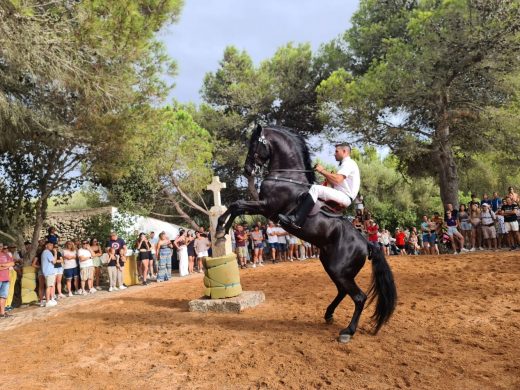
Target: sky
<point>206,27</point>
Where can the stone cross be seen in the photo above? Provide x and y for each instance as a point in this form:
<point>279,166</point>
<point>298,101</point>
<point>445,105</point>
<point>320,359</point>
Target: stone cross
<point>215,186</point>
<point>221,247</point>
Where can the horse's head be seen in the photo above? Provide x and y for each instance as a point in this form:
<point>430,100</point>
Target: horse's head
<point>259,151</point>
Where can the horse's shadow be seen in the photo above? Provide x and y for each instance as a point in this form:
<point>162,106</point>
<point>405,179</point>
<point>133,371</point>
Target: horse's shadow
<point>180,315</point>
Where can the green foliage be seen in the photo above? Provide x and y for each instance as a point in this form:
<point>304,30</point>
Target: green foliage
<point>76,82</point>
<point>427,78</point>
<point>392,198</point>
<point>281,91</point>
<point>100,226</point>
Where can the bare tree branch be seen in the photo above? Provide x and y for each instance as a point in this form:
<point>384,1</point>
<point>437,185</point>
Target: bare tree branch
<point>190,202</point>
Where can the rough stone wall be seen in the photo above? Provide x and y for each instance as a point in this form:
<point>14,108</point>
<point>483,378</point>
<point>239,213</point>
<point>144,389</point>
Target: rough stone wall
<point>68,224</point>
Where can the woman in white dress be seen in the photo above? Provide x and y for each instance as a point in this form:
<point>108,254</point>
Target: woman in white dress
<point>181,243</point>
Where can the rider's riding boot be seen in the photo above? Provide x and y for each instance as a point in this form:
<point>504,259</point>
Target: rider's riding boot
<point>297,219</point>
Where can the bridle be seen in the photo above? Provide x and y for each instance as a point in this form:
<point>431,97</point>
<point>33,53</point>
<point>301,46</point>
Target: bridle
<point>262,139</point>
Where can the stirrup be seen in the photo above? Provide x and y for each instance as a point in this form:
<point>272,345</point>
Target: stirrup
<point>286,220</point>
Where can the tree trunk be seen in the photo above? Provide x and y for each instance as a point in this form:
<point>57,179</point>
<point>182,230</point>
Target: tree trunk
<point>447,170</point>
<point>41,213</point>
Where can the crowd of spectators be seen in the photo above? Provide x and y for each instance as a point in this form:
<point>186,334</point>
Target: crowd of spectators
<point>76,267</point>
<point>481,224</point>
<point>258,243</point>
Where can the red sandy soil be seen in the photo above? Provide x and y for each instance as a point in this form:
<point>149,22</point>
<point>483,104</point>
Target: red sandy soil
<point>456,326</point>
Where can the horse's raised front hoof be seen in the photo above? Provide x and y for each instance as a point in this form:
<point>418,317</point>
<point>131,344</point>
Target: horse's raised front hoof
<point>329,320</point>
<point>220,234</point>
<point>344,338</point>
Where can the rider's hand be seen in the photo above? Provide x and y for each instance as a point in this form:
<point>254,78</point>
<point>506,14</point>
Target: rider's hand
<point>318,168</point>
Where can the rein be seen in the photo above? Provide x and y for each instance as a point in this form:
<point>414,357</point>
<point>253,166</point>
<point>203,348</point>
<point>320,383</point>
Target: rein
<point>287,180</point>
<point>291,170</point>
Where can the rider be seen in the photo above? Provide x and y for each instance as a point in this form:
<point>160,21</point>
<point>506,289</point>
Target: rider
<point>344,187</point>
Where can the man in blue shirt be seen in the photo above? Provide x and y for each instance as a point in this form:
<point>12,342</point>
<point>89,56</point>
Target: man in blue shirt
<point>485,199</point>
<point>117,243</point>
<point>47,261</point>
<point>496,202</point>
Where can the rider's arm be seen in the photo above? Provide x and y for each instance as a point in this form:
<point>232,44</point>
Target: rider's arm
<point>332,178</point>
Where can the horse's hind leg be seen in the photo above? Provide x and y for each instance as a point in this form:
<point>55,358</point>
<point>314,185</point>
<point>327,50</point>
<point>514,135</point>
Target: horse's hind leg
<point>359,298</point>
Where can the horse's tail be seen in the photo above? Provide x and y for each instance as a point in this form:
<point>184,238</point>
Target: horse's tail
<point>382,288</point>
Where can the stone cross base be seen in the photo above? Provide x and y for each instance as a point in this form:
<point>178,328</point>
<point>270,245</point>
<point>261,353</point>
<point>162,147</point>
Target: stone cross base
<point>228,305</point>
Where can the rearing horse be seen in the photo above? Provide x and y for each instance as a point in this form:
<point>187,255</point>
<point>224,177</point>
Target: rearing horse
<point>343,250</point>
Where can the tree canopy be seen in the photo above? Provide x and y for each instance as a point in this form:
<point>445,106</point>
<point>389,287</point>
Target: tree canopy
<point>73,75</point>
<point>426,78</point>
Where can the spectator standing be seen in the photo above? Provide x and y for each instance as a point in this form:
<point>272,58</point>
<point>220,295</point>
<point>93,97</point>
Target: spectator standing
<point>58,268</point>
<point>191,252</point>
<point>201,245</point>
<point>120,248</point>
<point>144,253</point>
<point>509,211</point>
<point>164,250</point>
<point>425,231</point>
<point>36,263</point>
<point>474,217</point>
<point>413,242</point>
<point>293,247</point>
<point>485,199</point>
<point>272,239</point>
<point>400,241</point>
<point>47,261</point>
<point>97,252</point>
<point>308,249</point>
<point>464,222</point>
<point>70,267</point>
<point>6,262</point>
<point>513,195</point>
<point>52,236</point>
<point>258,246</point>
<point>117,243</point>
<point>86,268</point>
<point>473,201</point>
<point>385,241</point>
<point>115,270</point>
<point>372,231</point>
<point>181,244</point>
<point>153,250</point>
<point>367,217</point>
<point>358,205</point>
<point>282,242</point>
<point>496,202</point>
<point>241,242</point>
<point>488,218</point>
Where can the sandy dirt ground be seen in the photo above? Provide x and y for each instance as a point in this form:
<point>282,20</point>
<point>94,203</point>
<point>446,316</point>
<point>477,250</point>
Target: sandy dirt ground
<point>456,326</point>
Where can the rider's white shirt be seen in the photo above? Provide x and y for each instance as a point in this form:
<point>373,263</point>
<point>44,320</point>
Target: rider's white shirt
<point>352,182</point>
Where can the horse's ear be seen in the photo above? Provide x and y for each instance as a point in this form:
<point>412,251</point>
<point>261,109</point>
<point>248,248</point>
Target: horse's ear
<point>256,132</point>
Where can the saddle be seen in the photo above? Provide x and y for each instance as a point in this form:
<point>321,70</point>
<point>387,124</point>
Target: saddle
<point>330,206</point>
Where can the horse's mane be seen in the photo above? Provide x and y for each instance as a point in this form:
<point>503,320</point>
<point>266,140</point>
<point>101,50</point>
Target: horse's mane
<point>299,142</point>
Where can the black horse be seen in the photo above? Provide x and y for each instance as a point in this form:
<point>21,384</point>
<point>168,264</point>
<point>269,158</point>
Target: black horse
<point>343,250</point>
